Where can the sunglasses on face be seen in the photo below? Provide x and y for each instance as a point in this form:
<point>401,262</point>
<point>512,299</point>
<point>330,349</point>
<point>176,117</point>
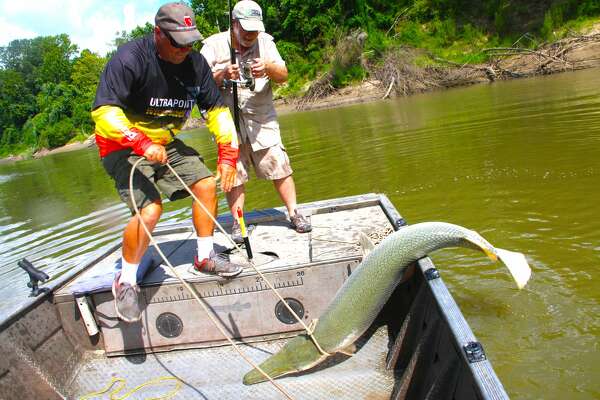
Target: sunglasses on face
<point>174,43</point>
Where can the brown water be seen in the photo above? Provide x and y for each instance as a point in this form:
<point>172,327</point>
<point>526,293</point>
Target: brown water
<point>517,161</point>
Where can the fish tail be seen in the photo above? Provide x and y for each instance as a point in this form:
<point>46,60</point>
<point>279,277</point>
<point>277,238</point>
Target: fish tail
<point>515,262</point>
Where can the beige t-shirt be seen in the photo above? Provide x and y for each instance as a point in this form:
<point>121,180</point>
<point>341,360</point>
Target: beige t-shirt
<point>258,119</point>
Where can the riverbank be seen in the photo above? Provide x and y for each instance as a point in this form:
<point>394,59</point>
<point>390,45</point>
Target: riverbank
<point>399,77</point>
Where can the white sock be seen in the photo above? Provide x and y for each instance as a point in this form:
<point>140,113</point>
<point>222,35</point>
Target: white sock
<point>128,272</point>
<point>205,247</point>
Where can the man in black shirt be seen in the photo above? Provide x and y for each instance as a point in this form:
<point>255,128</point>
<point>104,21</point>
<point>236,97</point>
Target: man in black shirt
<point>145,94</point>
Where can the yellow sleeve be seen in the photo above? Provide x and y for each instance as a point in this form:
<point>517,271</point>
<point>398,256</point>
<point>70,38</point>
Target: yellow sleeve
<point>220,124</point>
<point>113,124</point>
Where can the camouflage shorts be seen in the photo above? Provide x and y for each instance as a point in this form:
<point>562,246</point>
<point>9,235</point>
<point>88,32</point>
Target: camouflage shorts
<point>151,179</point>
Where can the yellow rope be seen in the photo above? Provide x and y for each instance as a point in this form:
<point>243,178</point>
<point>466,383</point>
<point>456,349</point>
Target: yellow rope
<point>122,384</point>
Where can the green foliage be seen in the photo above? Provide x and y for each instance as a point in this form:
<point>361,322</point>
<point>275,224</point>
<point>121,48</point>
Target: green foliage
<point>46,92</point>
<point>86,71</point>
<point>47,88</point>
<point>344,76</point>
<point>57,134</point>
<point>137,32</point>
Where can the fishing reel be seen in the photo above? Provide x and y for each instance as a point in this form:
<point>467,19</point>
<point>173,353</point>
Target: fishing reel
<point>246,78</point>
<point>246,74</point>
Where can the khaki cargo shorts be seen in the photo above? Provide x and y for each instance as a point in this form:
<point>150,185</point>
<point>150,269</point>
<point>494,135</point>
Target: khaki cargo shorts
<point>151,179</point>
<point>271,163</point>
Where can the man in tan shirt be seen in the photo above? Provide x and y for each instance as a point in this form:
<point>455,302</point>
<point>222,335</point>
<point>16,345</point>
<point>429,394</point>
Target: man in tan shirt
<point>259,136</point>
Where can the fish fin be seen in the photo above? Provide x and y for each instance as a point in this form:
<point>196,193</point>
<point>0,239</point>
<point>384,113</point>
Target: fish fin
<point>517,266</point>
<point>366,244</point>
<point>349,350</point>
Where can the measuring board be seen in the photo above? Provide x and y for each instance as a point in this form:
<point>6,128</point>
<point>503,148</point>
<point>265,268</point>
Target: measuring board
<point>245,306</point>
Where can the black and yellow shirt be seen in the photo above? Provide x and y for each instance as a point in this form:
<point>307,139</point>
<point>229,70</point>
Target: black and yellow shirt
<point>142,99</point>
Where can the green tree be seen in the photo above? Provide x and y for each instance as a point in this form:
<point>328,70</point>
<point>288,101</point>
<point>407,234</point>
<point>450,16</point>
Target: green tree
<point>85,76</point>
<point>137,32</point>
<point>57,59</point>
<point>16,101</point>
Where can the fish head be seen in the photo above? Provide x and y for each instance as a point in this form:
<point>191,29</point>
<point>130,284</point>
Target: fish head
<point>298,354</point>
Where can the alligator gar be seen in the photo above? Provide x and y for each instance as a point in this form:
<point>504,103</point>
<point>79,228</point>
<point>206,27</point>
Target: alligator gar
<point>366,291</point>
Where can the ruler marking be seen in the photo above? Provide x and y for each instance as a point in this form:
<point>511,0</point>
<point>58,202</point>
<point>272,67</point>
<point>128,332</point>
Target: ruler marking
<point>259,287</point>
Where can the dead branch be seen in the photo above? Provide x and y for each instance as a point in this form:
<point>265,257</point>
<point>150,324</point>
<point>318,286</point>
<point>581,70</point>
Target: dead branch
<point>385,96</point>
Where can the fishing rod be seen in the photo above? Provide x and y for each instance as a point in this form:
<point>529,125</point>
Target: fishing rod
<point>236,120</point>
<point>236,112</point>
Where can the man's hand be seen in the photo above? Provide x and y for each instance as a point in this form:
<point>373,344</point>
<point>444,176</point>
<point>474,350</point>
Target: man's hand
<point>227,174</point>
<point>259,68</point>
<point>156,153</point>
<point>262,68</point>
<point>232,71</point>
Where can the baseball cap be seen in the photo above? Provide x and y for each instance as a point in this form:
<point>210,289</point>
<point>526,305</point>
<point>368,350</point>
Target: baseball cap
<point>249,14</point>
<point>178,21</point>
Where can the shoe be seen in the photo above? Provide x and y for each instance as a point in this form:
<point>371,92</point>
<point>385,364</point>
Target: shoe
<point>217,264</point>
<point>236,233</point>
<point>300,223</point>
<point>126,300</point>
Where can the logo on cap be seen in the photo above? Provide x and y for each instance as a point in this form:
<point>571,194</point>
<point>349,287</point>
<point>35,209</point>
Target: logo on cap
<point>187,20</point>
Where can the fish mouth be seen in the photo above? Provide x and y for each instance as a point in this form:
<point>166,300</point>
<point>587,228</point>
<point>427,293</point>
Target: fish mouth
<point>255,376</point>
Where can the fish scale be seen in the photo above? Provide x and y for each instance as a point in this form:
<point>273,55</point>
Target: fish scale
<point>363,295</point>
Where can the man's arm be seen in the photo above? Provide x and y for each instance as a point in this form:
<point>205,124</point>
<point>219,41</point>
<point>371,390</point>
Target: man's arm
<point>231,71</point>
<point>270,64</point>
<point>220,124</point>
<point>113,129</point>
<point>112,124</point>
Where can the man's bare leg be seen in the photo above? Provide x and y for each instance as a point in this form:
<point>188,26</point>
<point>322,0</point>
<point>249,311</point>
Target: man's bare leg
<point>135,239</point>
<point>236,198</point>
<point>135,243</point>
<point>206,191</point>
<point>287,191</point>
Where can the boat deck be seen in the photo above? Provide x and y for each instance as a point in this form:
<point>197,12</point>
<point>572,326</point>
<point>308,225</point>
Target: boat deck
<point>216,373</point>
<point>176,339</point>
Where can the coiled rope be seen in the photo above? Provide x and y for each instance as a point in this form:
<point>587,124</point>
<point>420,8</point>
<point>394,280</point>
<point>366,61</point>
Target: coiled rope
<point>121,385</point>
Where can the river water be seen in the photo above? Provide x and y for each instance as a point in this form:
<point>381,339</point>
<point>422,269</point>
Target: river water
<point>517,161</point>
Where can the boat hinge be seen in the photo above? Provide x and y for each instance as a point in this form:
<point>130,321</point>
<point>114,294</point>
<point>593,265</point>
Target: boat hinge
<point>86,315</point>
<point>474,352</point>
<point>431,274</point>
